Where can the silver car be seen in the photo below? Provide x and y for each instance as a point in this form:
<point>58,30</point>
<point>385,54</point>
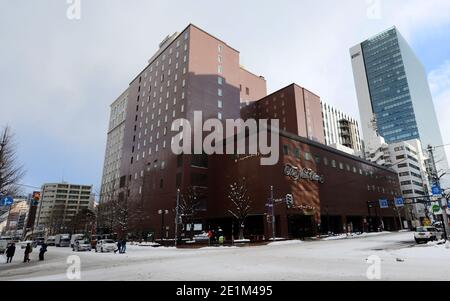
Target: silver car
<point>426,234</point>
<point>105,245</point>
<point>82,245</point>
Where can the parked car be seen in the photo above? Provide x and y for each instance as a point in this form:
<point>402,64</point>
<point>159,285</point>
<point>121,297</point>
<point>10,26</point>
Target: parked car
<point>425,234</point>
<point>38,241</point>
<point>62,240</point>
<point>24,244</point>
<point>74,238</point>
<point>4,245</point>
<point>51,241</point>
<point>105,245</point>
<point>82,245</point>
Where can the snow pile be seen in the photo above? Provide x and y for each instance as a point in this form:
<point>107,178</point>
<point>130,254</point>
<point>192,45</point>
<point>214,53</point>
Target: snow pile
<point>435,243</point>
<point>354,235</point>
<point>285,243</point>
<point>149,244</point>
<point>447,245</point>
<point>240,241</point>
<point>2,259</point>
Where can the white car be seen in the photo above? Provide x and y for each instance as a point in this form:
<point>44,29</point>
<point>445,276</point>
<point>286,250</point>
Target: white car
<point>425,234</point>
<point>82,245</point>
<point>105,245</point>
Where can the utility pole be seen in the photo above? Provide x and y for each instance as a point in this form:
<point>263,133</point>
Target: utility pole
<point>177,217</point>
<point>272,202</point>
<point>436,181</point>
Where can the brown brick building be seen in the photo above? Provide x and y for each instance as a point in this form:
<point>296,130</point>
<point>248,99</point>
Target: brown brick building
<point>194,71</point>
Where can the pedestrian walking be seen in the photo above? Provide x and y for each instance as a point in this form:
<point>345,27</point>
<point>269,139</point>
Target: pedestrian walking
<point>119,246</point>
<point>28,250</point>
<point>220,236</point>
<point>210,236</point>
<point>42,251</point>
<point>124,246</point>
<point>10,251</point>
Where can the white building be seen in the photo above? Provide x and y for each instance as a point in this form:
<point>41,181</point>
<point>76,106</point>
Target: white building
<point>60,203</point>
<point>341,131</point>
<point>407,158</point>
<point>113,154</point>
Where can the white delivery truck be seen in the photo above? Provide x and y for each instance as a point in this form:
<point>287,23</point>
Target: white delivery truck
<point>62,240</point>
<point>3,245</point>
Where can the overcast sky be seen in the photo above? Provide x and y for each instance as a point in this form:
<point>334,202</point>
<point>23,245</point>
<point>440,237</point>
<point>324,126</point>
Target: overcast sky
<point>58,76</point>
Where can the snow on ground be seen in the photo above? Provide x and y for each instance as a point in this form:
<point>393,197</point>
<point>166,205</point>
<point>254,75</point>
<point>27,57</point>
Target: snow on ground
<point>346,259</point>
<point>285,243</point>
<point>354,235</point>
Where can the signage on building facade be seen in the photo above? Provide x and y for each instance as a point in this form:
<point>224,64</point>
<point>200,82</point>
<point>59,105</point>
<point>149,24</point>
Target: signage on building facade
<point>298,174</point>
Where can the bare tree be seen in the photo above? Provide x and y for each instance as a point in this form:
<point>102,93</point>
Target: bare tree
<point>189,204</point>
<point>11,172</point>
<point>241,203</point>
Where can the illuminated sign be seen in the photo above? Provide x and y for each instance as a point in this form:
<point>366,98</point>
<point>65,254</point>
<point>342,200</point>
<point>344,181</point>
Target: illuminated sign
<point>298,174</point>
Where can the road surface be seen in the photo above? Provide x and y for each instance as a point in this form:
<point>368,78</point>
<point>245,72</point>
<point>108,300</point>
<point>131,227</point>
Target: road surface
<point>343,259</point>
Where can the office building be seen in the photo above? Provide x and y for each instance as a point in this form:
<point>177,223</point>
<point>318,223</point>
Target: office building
<point>341,130</point>
<point>60,203</point>
<point>394,97</point>
<point>114,143</point>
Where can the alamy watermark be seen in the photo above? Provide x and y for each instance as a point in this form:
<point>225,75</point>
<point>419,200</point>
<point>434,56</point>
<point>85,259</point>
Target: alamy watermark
<point>374,9</point>
<point>73,271</point>
<point>73,11</point>
<point>374,270</point>
<point>252,137</point>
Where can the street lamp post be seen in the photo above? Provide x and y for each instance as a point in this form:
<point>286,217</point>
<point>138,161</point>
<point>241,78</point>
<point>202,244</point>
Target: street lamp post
<point>162,212</point>
<point>177,217</point>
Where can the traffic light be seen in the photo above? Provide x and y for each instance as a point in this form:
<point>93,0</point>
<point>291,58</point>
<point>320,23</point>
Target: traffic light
<point>289,201</point>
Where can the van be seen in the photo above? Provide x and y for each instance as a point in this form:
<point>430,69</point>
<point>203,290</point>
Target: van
<point>3,245</point>
<point>62,240</point>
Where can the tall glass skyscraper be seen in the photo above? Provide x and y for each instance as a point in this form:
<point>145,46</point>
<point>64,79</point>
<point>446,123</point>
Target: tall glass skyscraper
<point>394,97</point>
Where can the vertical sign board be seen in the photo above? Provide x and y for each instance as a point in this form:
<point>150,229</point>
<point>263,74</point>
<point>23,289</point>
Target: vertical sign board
<point>6,201</point>
<point>384,204</point>
<point>436,190</point>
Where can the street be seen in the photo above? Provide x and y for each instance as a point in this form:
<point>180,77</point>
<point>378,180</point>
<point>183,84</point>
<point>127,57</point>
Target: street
<point>334,259</point>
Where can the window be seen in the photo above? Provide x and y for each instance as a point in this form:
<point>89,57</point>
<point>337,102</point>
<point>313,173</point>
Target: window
<point>219,48</point>
<point>219,116</point>
<point>219,92</point>
<point>307,156</point>
<point>285,150</point>
<point>296,153</point>
<point>219,58</point>
<point>220,80</point>
<point>219,104</point>
<point>219,69</point>
<point>247,91</point>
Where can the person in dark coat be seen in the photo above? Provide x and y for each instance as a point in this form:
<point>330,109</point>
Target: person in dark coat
<point>119,246</point>
<point>28,250</point>
<point>10,251</point>
<point>124,246</point>
<point>42,251</point>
